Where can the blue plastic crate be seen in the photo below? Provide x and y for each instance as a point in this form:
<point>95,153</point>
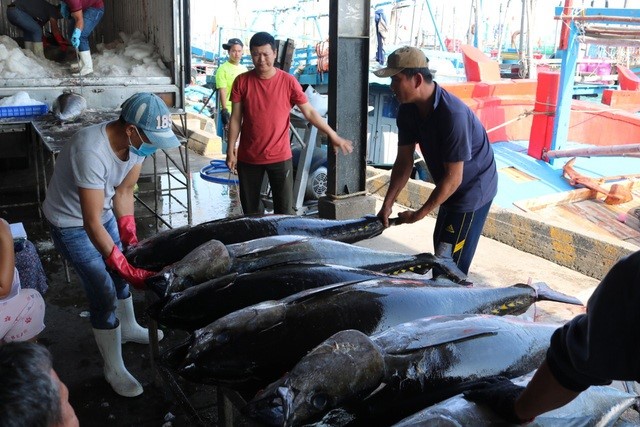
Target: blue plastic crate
<point>23,110</point>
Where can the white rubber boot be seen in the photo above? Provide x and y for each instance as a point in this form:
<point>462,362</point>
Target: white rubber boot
<point>38,49</point>
<point>87,64</point>
<point>115,372</point>
<point>131,330</point>
<point>28,45</point>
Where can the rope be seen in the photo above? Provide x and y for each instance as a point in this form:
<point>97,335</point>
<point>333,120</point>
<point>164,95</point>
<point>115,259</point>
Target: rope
<point>519,117</point>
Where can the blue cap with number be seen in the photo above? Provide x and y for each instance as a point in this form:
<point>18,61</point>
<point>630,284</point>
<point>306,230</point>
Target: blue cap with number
<point>150,114</point>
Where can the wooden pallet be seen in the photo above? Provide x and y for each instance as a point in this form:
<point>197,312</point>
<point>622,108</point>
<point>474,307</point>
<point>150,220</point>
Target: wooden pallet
<point>581,209</point>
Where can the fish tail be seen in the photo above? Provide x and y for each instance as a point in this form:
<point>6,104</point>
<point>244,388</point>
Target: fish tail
<point>545,293</point>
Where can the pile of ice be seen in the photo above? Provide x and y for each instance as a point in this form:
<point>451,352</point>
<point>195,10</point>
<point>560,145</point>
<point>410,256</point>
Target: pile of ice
<point>16,63</point>
<point>129,56</point>
<point>19,99</point>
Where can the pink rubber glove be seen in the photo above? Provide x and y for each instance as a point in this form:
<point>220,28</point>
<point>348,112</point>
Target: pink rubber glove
<point>127,230</point>
<point>135,276</point>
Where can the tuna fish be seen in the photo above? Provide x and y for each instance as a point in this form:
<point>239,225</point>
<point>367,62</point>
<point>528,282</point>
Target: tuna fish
<point>596,406</point>
<point>200,305</point>
<point>69,106</point>
<point>211,259</point>
<point>239,347</point>
<point>431,355</point>
<point>266,252</point>
<point>162,249</point>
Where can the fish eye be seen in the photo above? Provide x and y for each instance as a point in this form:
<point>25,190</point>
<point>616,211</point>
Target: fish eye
<point>320,401</point>
<point>222,338</point>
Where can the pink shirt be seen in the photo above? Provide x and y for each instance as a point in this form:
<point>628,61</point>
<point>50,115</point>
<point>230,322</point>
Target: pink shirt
<point>76,5</point>
<point>266,103</point>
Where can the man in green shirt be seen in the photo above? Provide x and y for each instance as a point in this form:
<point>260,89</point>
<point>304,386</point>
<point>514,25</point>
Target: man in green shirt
<point>225,75</point>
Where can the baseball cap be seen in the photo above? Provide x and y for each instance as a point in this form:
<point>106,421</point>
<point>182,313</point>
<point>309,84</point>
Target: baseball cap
<point>404,57</point>
<point>149,113</point>
<point>231,42</point>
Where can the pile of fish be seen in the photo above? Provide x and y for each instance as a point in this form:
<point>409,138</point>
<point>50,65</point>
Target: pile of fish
<point>197,306</point>
<point>226,351</point>
<point>332,332</point>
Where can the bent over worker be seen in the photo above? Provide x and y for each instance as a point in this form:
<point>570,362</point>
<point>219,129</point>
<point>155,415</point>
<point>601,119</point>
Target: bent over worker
<point>591,349</point>
<point>30,16</point>
<point>89,207</point>
<point>456,149</point>
<point>85,15</point>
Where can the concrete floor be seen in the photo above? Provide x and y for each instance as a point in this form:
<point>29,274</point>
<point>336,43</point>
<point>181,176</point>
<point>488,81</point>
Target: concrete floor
<point>69,337</point>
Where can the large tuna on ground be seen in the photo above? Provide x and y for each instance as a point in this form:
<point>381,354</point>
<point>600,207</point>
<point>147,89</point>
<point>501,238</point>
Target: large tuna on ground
<point>213,259</point>
<point>428,356</point>
<point>167,247</point>
<point>200,305</point>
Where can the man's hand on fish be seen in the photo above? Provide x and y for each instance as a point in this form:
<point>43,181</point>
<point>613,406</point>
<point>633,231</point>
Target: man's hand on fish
<point>135,276</point>
<point>500,395</point>
<point>409,217</point>
<point>383,214</point>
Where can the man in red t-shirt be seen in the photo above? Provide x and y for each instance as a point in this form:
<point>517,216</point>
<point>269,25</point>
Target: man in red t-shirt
<point>262,99</point>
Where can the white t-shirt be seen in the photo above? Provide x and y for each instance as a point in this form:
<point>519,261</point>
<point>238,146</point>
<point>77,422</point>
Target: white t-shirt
<point>86,161</point>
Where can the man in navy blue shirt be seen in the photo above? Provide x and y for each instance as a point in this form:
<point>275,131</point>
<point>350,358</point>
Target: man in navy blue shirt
<point>457,152</point>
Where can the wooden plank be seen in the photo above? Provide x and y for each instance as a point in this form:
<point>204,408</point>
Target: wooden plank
<point>555,199</point>
<point>571,196</point>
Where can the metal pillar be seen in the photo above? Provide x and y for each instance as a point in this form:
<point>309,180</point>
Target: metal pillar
<point>348,100</point>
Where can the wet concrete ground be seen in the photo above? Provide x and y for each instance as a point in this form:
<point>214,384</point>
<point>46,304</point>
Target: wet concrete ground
<point>68,332</point>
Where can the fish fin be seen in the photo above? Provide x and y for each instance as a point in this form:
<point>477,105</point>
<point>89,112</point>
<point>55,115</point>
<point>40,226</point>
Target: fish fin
<point>376,391</point>
<point>398,344</point>
<point>425,261</point>
<point>314,292</point>
<point>545,293</point>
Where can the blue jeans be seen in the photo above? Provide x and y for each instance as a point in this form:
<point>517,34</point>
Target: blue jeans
<point>462,230</point>
<point>91,18</point>
<point>100,285</point>
<point>29,26</point>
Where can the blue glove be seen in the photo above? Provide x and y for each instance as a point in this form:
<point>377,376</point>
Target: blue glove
<point>75,38</point>
<point>64,10</point>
